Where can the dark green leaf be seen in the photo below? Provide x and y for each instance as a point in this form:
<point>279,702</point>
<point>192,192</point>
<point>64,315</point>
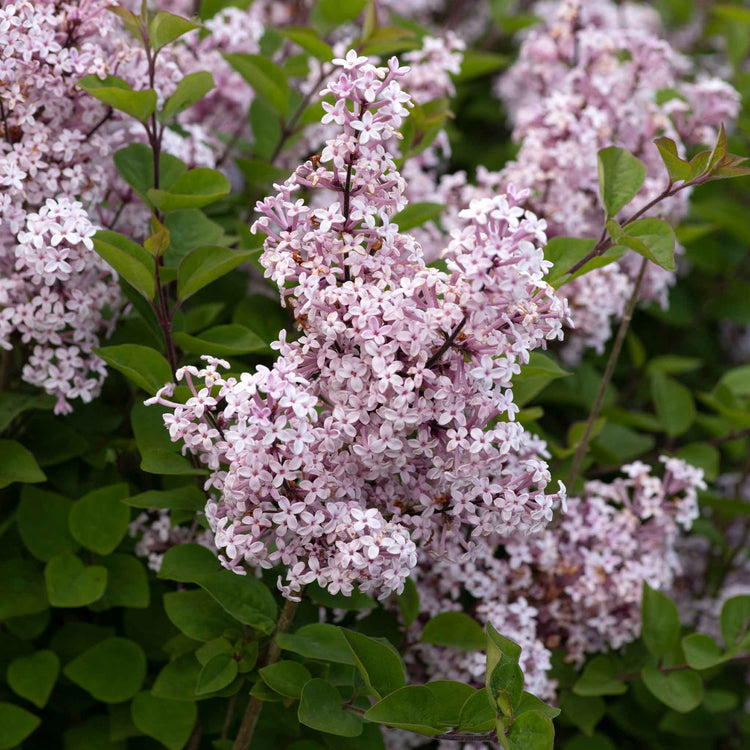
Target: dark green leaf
<point>222,341</point>
<point>600,678</point>
<point>112,670</point>
<point>735,619</point>
<point>267,79</point>
<point>286,677</point>
<point>204,265</point>
<point>701,651</point>
<point>531,731</point>
<point>216,674</point>
<point>18,464</point>
<point>195,189</point>
<point>660,622</point>
<point>477,714</point>
<point>335,13</point>
<point>584,711</point>
<point>477,63</point>
<point>621,176</point>
<point>320,708</point>
<point>42,520</point>
<point>14,404</point>
<point>16,724</point>
<point>244,597</point>
<point>130,260</point>
<point>318,641</point>
<point>413,708</point>
<point>178,679</point>
<point>309,40</point>
<point>378,663</point>
<point>118,94</point>
<point>674,403</point>
<point>33,677</point>
<point>408,602</point>
<point>168,721</point>
<point>70,584</point>
<point>136,165</point>
<point>455,629</point>
<point>23,591</point>
<point>450,698</point>
<point>166,27</point>
<point>127,583</point>
<point>678,168</point>
<point>681,691</point>
<point>99,520</point>
<point>197,614</point>
<point>142,365</point>
<point>416,214</point>
<point>653,239</point>
<point>191,89</point>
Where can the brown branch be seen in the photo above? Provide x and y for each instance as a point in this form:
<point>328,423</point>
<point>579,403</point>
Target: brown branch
<point>252,712</point>
<point>582,447</point>
<point>449,341</point>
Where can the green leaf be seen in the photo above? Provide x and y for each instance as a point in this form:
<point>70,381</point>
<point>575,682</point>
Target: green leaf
<point>18,464</point>
<point>413,708</point>
<point>320,708</point>
<point>16,724</point>
<point>531,731</point>
<point>130,261</point>
<point>166,27</point>
<point>454,629</point>
<point>195,189</point>
<point>660,622</point>
<point>600,678</point>
<point>119,95</point>
<point>477,714</point>
<point>653,239</point>
<point>735,619</point>
<point>416,214</point>
<point>70,584</point>
<point>99,520</point>
<point>476,64</point>
<point>33,677</point>
<point>335,12</point>
<point>380,665</point>
<point>672,364</point>
<point>243,597</point>
<point>23,591</point>
<point>503,677</point>
<point>112,671</point>
<point>674,403</point>
<point>702,455</point>
<point>222,341</point>
<point>681,691</point>
<point>621,176</point>
<point>136,165</point>
<point>127,583</point>
<point>286,677</point>
<point>318,641</point>
<point>450,698</point>
<point>42,520</point>
<point>190,90</point>
<point>198,615</point>
<point>678,168</point>
<point>267,79</point>
<point>159,454</point>
<point>168,721</point>
<point>408,602</point>
<point>204,265</point>
<point>529,702</point>
<point>188,497</point>
<point>14,404</point>
<point>737,380</point>
<point>584,711</point>
<point>309,40</point>
<point>178,679</point>
<point>216,674</point>
<point>142,365</point>
<point>701,651</point>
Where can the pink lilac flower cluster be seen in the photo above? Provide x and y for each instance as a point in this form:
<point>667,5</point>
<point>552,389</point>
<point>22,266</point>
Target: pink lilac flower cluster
<point>56,296</point>
<point>155,534</point>
<point>574,586</point>
<point>390,421</point>
<point>596,74</point>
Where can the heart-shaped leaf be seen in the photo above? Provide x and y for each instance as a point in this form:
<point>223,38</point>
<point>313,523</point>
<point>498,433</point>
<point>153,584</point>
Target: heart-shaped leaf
<point>33,677</point>
<point>71,584</point>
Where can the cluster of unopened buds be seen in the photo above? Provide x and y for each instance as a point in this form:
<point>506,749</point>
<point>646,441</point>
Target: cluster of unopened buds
<point>390,421</point>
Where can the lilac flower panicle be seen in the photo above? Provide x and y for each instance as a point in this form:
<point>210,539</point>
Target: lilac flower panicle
<point>390,421</point>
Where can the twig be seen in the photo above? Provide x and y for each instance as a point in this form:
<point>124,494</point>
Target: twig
<point>733,435</point>
<point>252,712</point>
<point>583,445</point>
<point>447,344</point>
